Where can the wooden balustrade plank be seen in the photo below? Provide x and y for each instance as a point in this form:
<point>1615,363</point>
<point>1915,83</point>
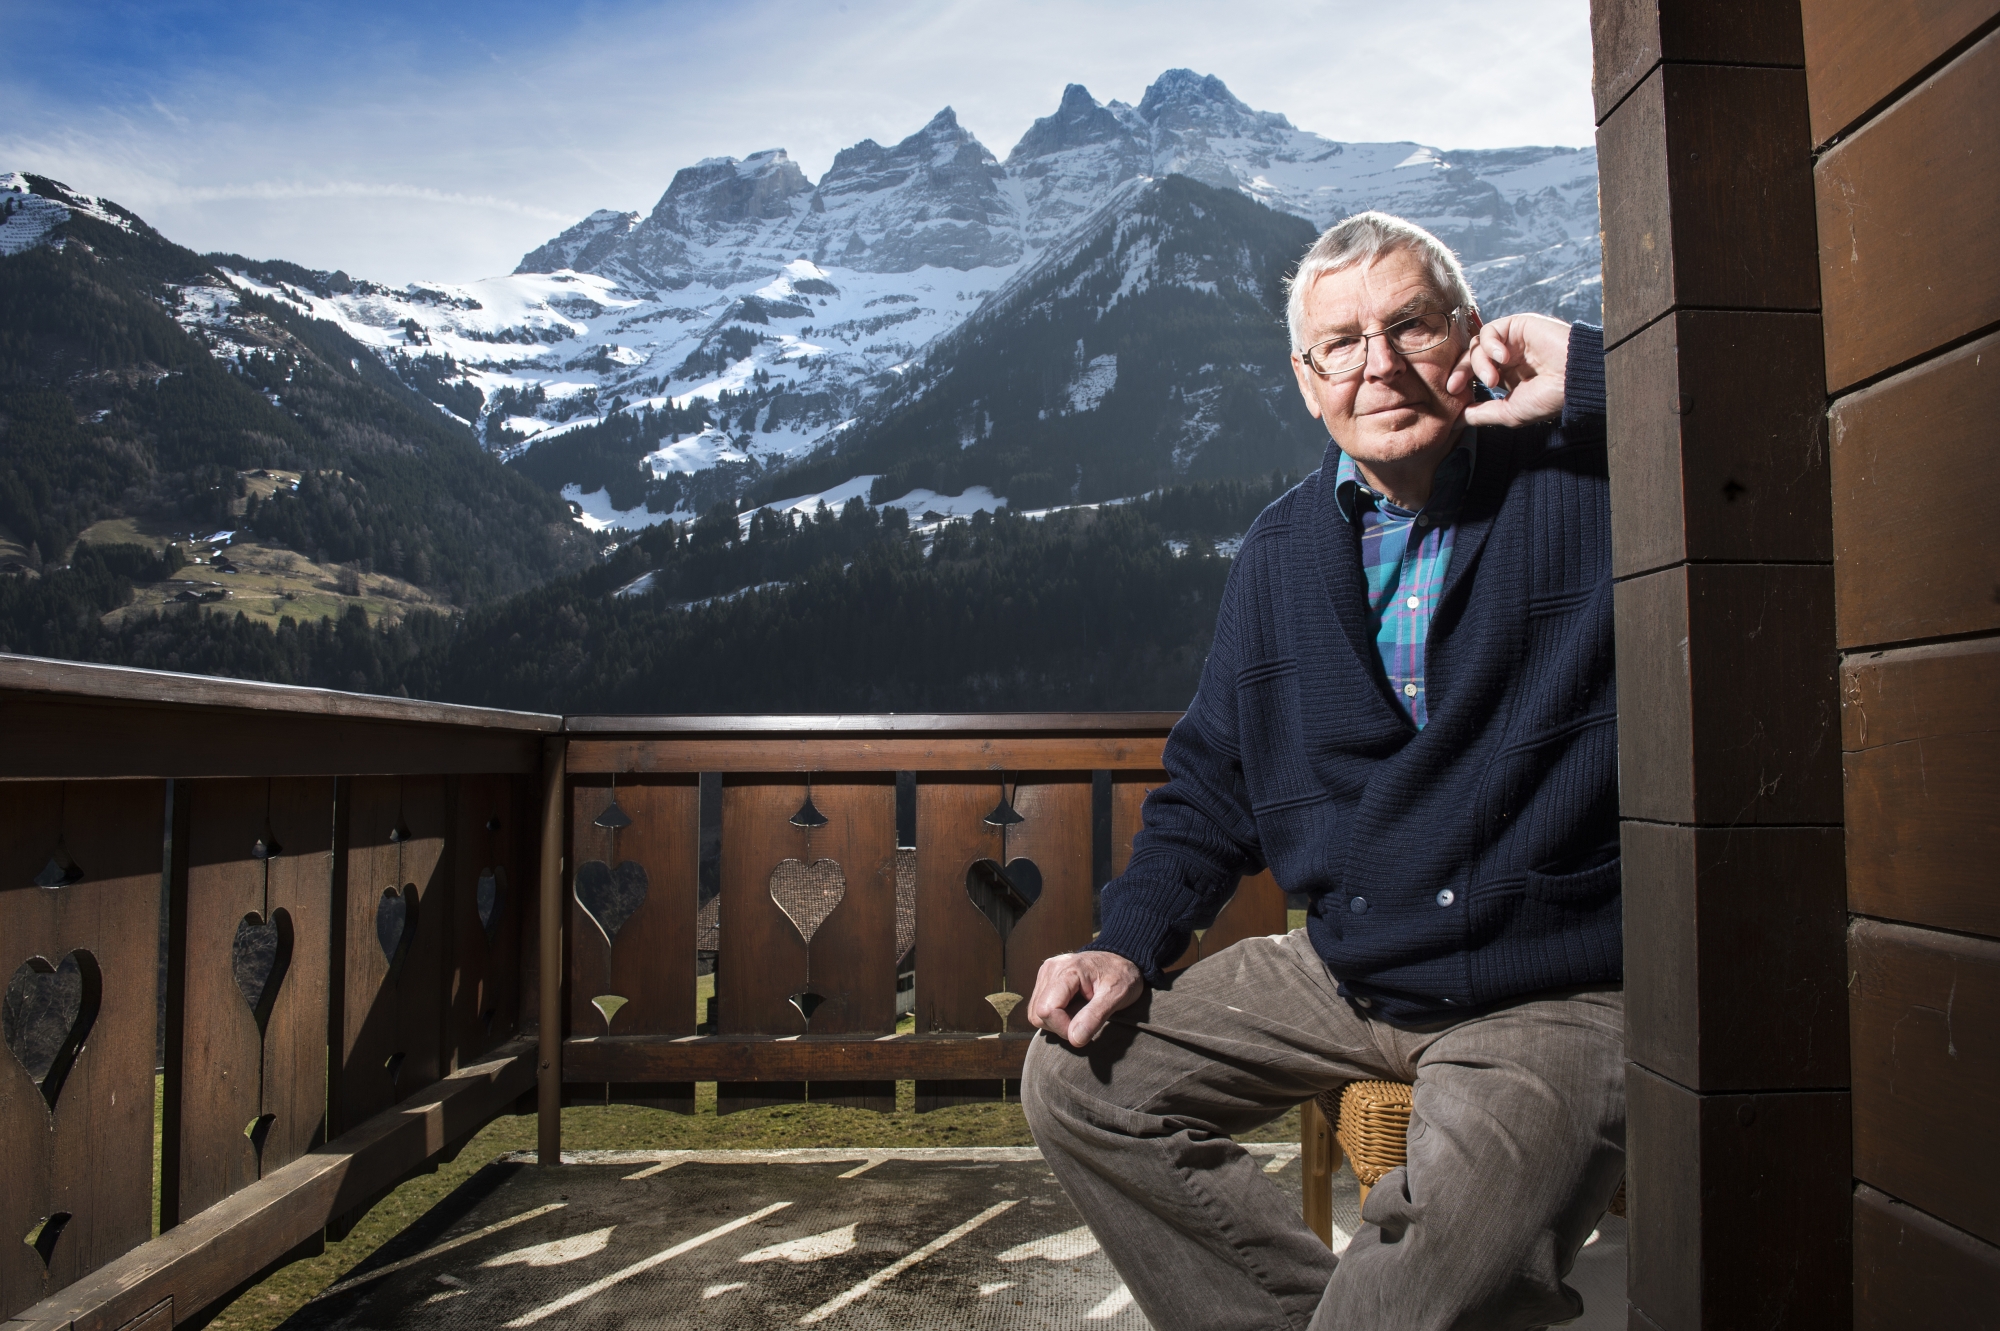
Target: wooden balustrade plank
<point>958,950</point>
<point>92,1156</point>
<point>230,1075</point>
<point>217,1081</point>
<point>1908,260</point>
<point>1858,52</point>
<point>391,1018</point>
<point>1255,910</point>
<point>853,952</point>
<point>1056,836</point>
<point>199,1262</point>
<point>806,1058</point>
<point>651,962</point>
<point>301,884</point>
<point>494,833</point>
<point>762,959</point>
<point>846,753</point>
<point>1924,1022</point>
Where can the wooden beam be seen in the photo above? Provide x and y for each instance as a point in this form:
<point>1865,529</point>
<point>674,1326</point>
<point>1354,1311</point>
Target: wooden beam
<point>850,753</point>
<point>35,675</point>
<point>202,1260</point>
<point>804,1058</point>
<point>548,1099</point>
<point>879,723</point>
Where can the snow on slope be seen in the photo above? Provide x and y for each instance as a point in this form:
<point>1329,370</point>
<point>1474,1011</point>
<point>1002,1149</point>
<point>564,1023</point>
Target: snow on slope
<point>748,276</point>
<point>746,272</point>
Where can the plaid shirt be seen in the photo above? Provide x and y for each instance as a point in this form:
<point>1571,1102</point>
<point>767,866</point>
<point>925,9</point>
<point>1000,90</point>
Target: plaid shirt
<point>1405,576</point>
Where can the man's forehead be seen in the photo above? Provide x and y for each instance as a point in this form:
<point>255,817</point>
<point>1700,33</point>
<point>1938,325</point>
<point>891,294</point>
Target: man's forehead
<point>1365,293</point>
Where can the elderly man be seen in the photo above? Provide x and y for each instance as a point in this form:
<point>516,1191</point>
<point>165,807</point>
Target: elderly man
<point>1409,716</point>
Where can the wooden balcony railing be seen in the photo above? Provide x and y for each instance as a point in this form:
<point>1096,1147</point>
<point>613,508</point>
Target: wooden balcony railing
<point>377,924</point>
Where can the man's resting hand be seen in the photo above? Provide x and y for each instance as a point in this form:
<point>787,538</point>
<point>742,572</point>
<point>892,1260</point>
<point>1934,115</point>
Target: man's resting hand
<point>1107,980</point>
<point>1524,354</point>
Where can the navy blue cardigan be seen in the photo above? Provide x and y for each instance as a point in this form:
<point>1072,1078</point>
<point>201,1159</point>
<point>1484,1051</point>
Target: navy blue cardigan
<point>1448,868</point>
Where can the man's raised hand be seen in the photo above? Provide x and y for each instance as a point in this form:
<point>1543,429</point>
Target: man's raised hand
<point>1524,354</point>
<point>1105,980</point>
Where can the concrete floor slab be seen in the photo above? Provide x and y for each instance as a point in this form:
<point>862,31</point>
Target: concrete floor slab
<point>731,1240</point>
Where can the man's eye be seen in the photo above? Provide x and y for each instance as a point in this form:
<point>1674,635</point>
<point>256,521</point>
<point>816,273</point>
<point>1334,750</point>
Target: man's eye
<point>1334,346</point>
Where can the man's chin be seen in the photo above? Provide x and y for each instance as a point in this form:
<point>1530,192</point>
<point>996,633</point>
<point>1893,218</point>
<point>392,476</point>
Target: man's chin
<point>1372,443</point>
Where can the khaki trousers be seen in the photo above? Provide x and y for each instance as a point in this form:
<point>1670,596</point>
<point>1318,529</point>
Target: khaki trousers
<point>1516,1145</point>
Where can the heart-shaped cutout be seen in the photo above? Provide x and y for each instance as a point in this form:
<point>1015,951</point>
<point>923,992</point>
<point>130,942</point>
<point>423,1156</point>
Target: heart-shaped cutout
<point>1004,895</point>
<point>260,956</point>
<point>808,893</point>
<point>610,896</point>
<point>488,897</point>
<point>47,1016</point>
<point>396,922</point>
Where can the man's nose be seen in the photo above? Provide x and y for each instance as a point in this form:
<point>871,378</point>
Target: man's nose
<point>1382,359</point>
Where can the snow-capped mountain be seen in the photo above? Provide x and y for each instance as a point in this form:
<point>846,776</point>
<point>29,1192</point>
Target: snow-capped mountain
<point>756,318</point>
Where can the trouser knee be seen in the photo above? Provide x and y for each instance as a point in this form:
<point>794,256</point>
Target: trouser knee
<point>1048,1091</point>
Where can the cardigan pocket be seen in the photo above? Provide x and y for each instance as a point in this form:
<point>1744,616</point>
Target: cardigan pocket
<point>1584,890</point>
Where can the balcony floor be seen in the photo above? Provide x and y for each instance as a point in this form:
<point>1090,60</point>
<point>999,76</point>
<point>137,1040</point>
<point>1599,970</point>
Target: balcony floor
<point>975,1237</point>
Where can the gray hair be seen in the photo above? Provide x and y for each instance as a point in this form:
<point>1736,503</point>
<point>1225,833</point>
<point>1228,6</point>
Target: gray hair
<point>1361,239</point>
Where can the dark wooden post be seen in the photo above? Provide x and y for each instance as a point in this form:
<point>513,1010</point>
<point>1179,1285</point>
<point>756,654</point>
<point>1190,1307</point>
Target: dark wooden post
<point>548,1101</point>
<point>1736,1024</point>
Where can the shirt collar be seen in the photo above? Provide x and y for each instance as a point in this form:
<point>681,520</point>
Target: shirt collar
<point>1454,475</point>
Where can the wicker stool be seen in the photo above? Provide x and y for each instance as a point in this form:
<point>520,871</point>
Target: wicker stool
<point>1369,1122</point>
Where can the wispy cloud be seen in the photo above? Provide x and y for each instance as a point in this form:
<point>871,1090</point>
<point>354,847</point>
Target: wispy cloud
<point>441,142</point>
<point>271,190</point>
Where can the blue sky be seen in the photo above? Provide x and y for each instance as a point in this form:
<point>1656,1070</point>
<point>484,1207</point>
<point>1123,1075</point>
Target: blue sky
<point>443,140</point>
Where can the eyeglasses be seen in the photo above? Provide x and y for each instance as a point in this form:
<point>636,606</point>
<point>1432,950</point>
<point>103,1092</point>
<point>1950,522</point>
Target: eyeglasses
<point>1349,351</point>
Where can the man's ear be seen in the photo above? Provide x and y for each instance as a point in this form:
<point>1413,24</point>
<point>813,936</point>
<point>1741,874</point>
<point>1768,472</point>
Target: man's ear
<point>1307,381</point>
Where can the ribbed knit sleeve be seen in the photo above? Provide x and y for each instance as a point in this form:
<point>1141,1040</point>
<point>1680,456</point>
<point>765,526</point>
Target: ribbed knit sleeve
<point>1583,385</point>
<point>1198,836</point>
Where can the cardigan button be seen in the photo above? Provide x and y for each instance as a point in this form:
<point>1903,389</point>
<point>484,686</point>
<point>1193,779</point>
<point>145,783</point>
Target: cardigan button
<point>1446,897</point>
<point>1358,905</point>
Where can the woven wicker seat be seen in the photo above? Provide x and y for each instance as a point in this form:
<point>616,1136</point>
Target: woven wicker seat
<point>1371,1126</point>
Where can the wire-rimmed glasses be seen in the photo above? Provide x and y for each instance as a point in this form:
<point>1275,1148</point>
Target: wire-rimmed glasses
<point>1347,352</point>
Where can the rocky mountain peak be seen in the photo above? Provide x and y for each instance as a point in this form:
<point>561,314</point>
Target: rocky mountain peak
<point>720,191</point>
<point>582,246</point>
<point>1078,121</point>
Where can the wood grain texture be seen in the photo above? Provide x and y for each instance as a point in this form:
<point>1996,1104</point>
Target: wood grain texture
<point>795,1060</point>
<point>1319,1160</point>
<point>203,1260</point>
<point>1908,256</point>
<point>69,737</point>
<point>1630,37</point>
<point>1727,695</point>
<point>1718,441</point>
<point>392,1017</point>
<point>1925,1021</point>
<point>35,675</point>
<point>1738,1205</point>
<point>217,1079</point>
<point>1912,1270</point>
<point>762,958</point>
<point>1736,959</point>
<point>1919,443</point>
<point>494,831</point>
<point>1706,195</point>
<point>547,979</point>
<point>92,1155</point>
<point>229,1073</point>
<point>937,725</point>
<point>1923,784</point>
<point>896,753</point>
<point>958,952</point>
<point>1858,53</point>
